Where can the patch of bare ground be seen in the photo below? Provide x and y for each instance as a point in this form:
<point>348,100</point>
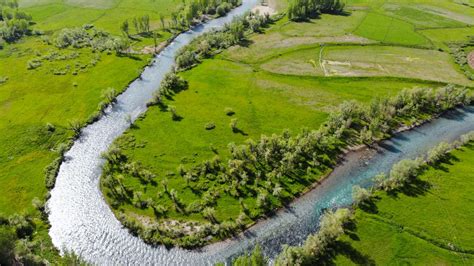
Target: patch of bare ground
<point>470,59</point>
<point>447,14</point>
<point>179,227</point>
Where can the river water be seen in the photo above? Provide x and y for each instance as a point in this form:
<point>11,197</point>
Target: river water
<point>82,222</point>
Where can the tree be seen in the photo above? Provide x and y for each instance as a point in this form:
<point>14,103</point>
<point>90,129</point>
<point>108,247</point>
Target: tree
<point>162,20</point>
<point>438,153</point>
<point>125,28</point>
<point>360,195</point>
<point>7,246</point>
<point>233,125</point>
<point>210,214</point>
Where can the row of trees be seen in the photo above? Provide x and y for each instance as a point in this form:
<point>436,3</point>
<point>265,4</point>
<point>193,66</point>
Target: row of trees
<point>14,23</point>
<point>300,10</point>
<point>207,44</point>
<point>140,24</point>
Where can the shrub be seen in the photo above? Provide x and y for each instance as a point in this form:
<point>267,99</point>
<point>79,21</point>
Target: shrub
<point>233,125</point>
<point>172,83</point>
<point>438,152</point>
<point>110,95</point>
<point>210,126</point>
<point>360,195</point>
<point>229,111</point>
<point>33,64</point>
<point>75,126</point>
<point>174,114</point>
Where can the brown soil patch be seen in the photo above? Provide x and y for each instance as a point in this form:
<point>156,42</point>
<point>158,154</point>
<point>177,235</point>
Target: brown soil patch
<point>470,59</point>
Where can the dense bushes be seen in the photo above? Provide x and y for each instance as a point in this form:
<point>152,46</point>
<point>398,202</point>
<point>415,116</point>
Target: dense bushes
<point>88,36</point>
<point>14,23</point>
<point>198,8</point>
<point>208,44</point>
<point>299,10</point>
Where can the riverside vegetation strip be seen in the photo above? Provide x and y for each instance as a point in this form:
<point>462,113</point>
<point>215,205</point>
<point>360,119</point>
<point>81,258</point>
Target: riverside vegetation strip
<point>154,178</point>
<point>389,213</point>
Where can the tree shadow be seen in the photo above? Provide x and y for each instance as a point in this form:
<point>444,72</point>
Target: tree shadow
<point>347,250</point>
<point>370,205</point>
<point>239,131</point>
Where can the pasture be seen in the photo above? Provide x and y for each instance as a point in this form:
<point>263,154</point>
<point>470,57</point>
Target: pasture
<point>291,76</point>
<point>429,219</point>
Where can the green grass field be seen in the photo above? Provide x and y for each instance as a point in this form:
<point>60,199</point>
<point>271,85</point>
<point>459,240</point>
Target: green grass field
<point>270,84</point>
<point>32,98</point>
<point>53,15</point>
<point>284,79</point>
<point>418,226</point>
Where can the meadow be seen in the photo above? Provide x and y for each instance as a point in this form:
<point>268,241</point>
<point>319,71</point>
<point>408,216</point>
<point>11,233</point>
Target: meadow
<point>47,93</point>
<point>291,76</point>
<point>431,218</point>
<point>283,78</point>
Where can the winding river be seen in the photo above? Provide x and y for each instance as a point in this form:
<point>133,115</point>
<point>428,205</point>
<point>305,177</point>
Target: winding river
<point>82,222</point>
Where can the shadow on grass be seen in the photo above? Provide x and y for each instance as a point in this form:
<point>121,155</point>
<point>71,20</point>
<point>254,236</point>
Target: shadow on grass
<point>370,205</point>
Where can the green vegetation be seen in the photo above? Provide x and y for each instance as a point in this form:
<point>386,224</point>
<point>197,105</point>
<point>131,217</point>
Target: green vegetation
<point>62,62</point>
<point>14,23</point>
<point>423,217</point>
<point>299,10</point>
<point>390,30</point>
<point>196,178</point>
<point>401,222</point>
<point>71,61</point>
<point>254,178</point>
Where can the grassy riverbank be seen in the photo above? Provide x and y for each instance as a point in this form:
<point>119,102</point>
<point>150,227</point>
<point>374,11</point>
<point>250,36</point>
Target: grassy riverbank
<point>417,224</point>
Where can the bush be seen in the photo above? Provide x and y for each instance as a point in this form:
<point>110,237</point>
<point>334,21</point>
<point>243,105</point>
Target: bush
<point>210,126</point>
<point>360,195</point>
<point>33,64</point>
<point>233,125</point>
<point>438,153</point>
<point>229,111</point>
<point>172,83</point>
<point>174,114</point>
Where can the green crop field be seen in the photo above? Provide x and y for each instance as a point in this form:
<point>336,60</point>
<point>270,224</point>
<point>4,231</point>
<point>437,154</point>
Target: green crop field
<point>419,226</point>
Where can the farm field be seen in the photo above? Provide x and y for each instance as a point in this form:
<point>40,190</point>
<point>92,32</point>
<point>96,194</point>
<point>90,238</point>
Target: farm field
<point>368,61</point>
<point>291,76</point>
<point>425,219</point>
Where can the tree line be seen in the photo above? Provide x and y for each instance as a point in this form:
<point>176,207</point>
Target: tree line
<point>300,10</point>
<point>208,44</point>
